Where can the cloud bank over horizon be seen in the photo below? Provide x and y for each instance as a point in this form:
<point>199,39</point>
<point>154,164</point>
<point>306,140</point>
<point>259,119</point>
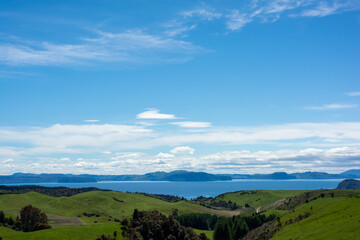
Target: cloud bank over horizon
<point>132,148</point>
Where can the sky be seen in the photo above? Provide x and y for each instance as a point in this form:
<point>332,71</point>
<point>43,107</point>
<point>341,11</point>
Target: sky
<point>130,87</point>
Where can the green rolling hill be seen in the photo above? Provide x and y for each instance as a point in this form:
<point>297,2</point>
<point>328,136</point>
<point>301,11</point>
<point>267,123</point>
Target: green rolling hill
<point>334,214</point>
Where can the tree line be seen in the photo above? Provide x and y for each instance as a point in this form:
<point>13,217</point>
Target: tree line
<point>50,191</point>
<point>225,228</point>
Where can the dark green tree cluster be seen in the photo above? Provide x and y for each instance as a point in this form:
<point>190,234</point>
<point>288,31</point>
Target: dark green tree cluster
<point>237,227</point>
<point>6,221</point>
<point>203,221</point>
<point>211,202</point>
<point>32,219</point>
<point>164,197</point>
<point>108,237</point>
<point>153,225</point>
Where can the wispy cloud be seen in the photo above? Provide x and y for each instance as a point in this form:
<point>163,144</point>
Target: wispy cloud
<point>353,94</point>
<point>132,46</point>
<point>202,13</point>
<point>154,114</point>
<point>237,20</point>
<point>270,11</point>
<point>189,124</point>
<point>333,106</point>
<point>289,160</point>
<point>179,30</point>
<point>325,8</point>
<point>91,120</point>
<point>60,138</point>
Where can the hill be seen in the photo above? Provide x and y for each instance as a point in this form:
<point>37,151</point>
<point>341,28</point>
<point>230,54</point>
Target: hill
<point>99,211</point>
<point>353,173</point>
<point>349,184</point>
<point>257,198</point>
<point>329,218</point>
<point>318,214</point>
<point>99,205</point>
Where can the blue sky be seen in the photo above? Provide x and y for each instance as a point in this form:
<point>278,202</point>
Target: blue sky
<point>123,87</point>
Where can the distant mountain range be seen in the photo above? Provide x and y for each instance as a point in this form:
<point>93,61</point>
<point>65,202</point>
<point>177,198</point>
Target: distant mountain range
<point>171,176</point>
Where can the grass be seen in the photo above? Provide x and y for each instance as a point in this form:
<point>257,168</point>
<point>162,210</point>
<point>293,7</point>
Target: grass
<point>257,198</point>
<point>208,233</point>
<point>331,218</point>
<point>94,202</point>
<point>63,232</point>
<point>109,205</point>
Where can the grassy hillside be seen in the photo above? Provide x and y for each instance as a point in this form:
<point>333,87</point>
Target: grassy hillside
<point>108,205</point>
<point>331,218</point>
<point>257,198</point>
<point>334,214</point>
<point>63,232</point>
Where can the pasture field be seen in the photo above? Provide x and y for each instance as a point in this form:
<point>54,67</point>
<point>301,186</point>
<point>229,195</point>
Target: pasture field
<point>331,218</point>
<point>88,215</point>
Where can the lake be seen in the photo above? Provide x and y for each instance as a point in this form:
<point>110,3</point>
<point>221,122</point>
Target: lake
<point>208,189</point>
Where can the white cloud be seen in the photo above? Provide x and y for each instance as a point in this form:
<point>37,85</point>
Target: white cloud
<point>179,30</point>
<point>41,148</point>
<point>165,155</point>
<point>106,137</point>
<point>91,121</point>
<point>192,124</point>
<point>328,8</point>
<point>292,160</point>
<point>353,94</point>
<point>9,160</point>
<point>204,14</point>
<point>319,133</point>
<point>182,150</point>
<point>331,160</point>
<point>237,20</point>
<point>154,114</point>
<point>270,10</point>
<point>133,46</point>
<point>59,137</point>
<point>333,106</point>
<point>106,152</point>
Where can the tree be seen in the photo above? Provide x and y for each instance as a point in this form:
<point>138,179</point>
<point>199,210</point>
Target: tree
<point>240,229</point>
<point>32,219</point>
<point>222,230</point>
<point>2,217</point>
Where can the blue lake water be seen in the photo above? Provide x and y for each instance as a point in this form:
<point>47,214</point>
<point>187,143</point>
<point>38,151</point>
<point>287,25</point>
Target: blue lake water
<point>207,189</point>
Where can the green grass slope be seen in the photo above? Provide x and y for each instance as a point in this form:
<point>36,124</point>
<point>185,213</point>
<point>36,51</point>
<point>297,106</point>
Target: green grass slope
<point>331,218</point>
<point>109,205</point>
<point>63,232</point>
<point>257,198</point>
